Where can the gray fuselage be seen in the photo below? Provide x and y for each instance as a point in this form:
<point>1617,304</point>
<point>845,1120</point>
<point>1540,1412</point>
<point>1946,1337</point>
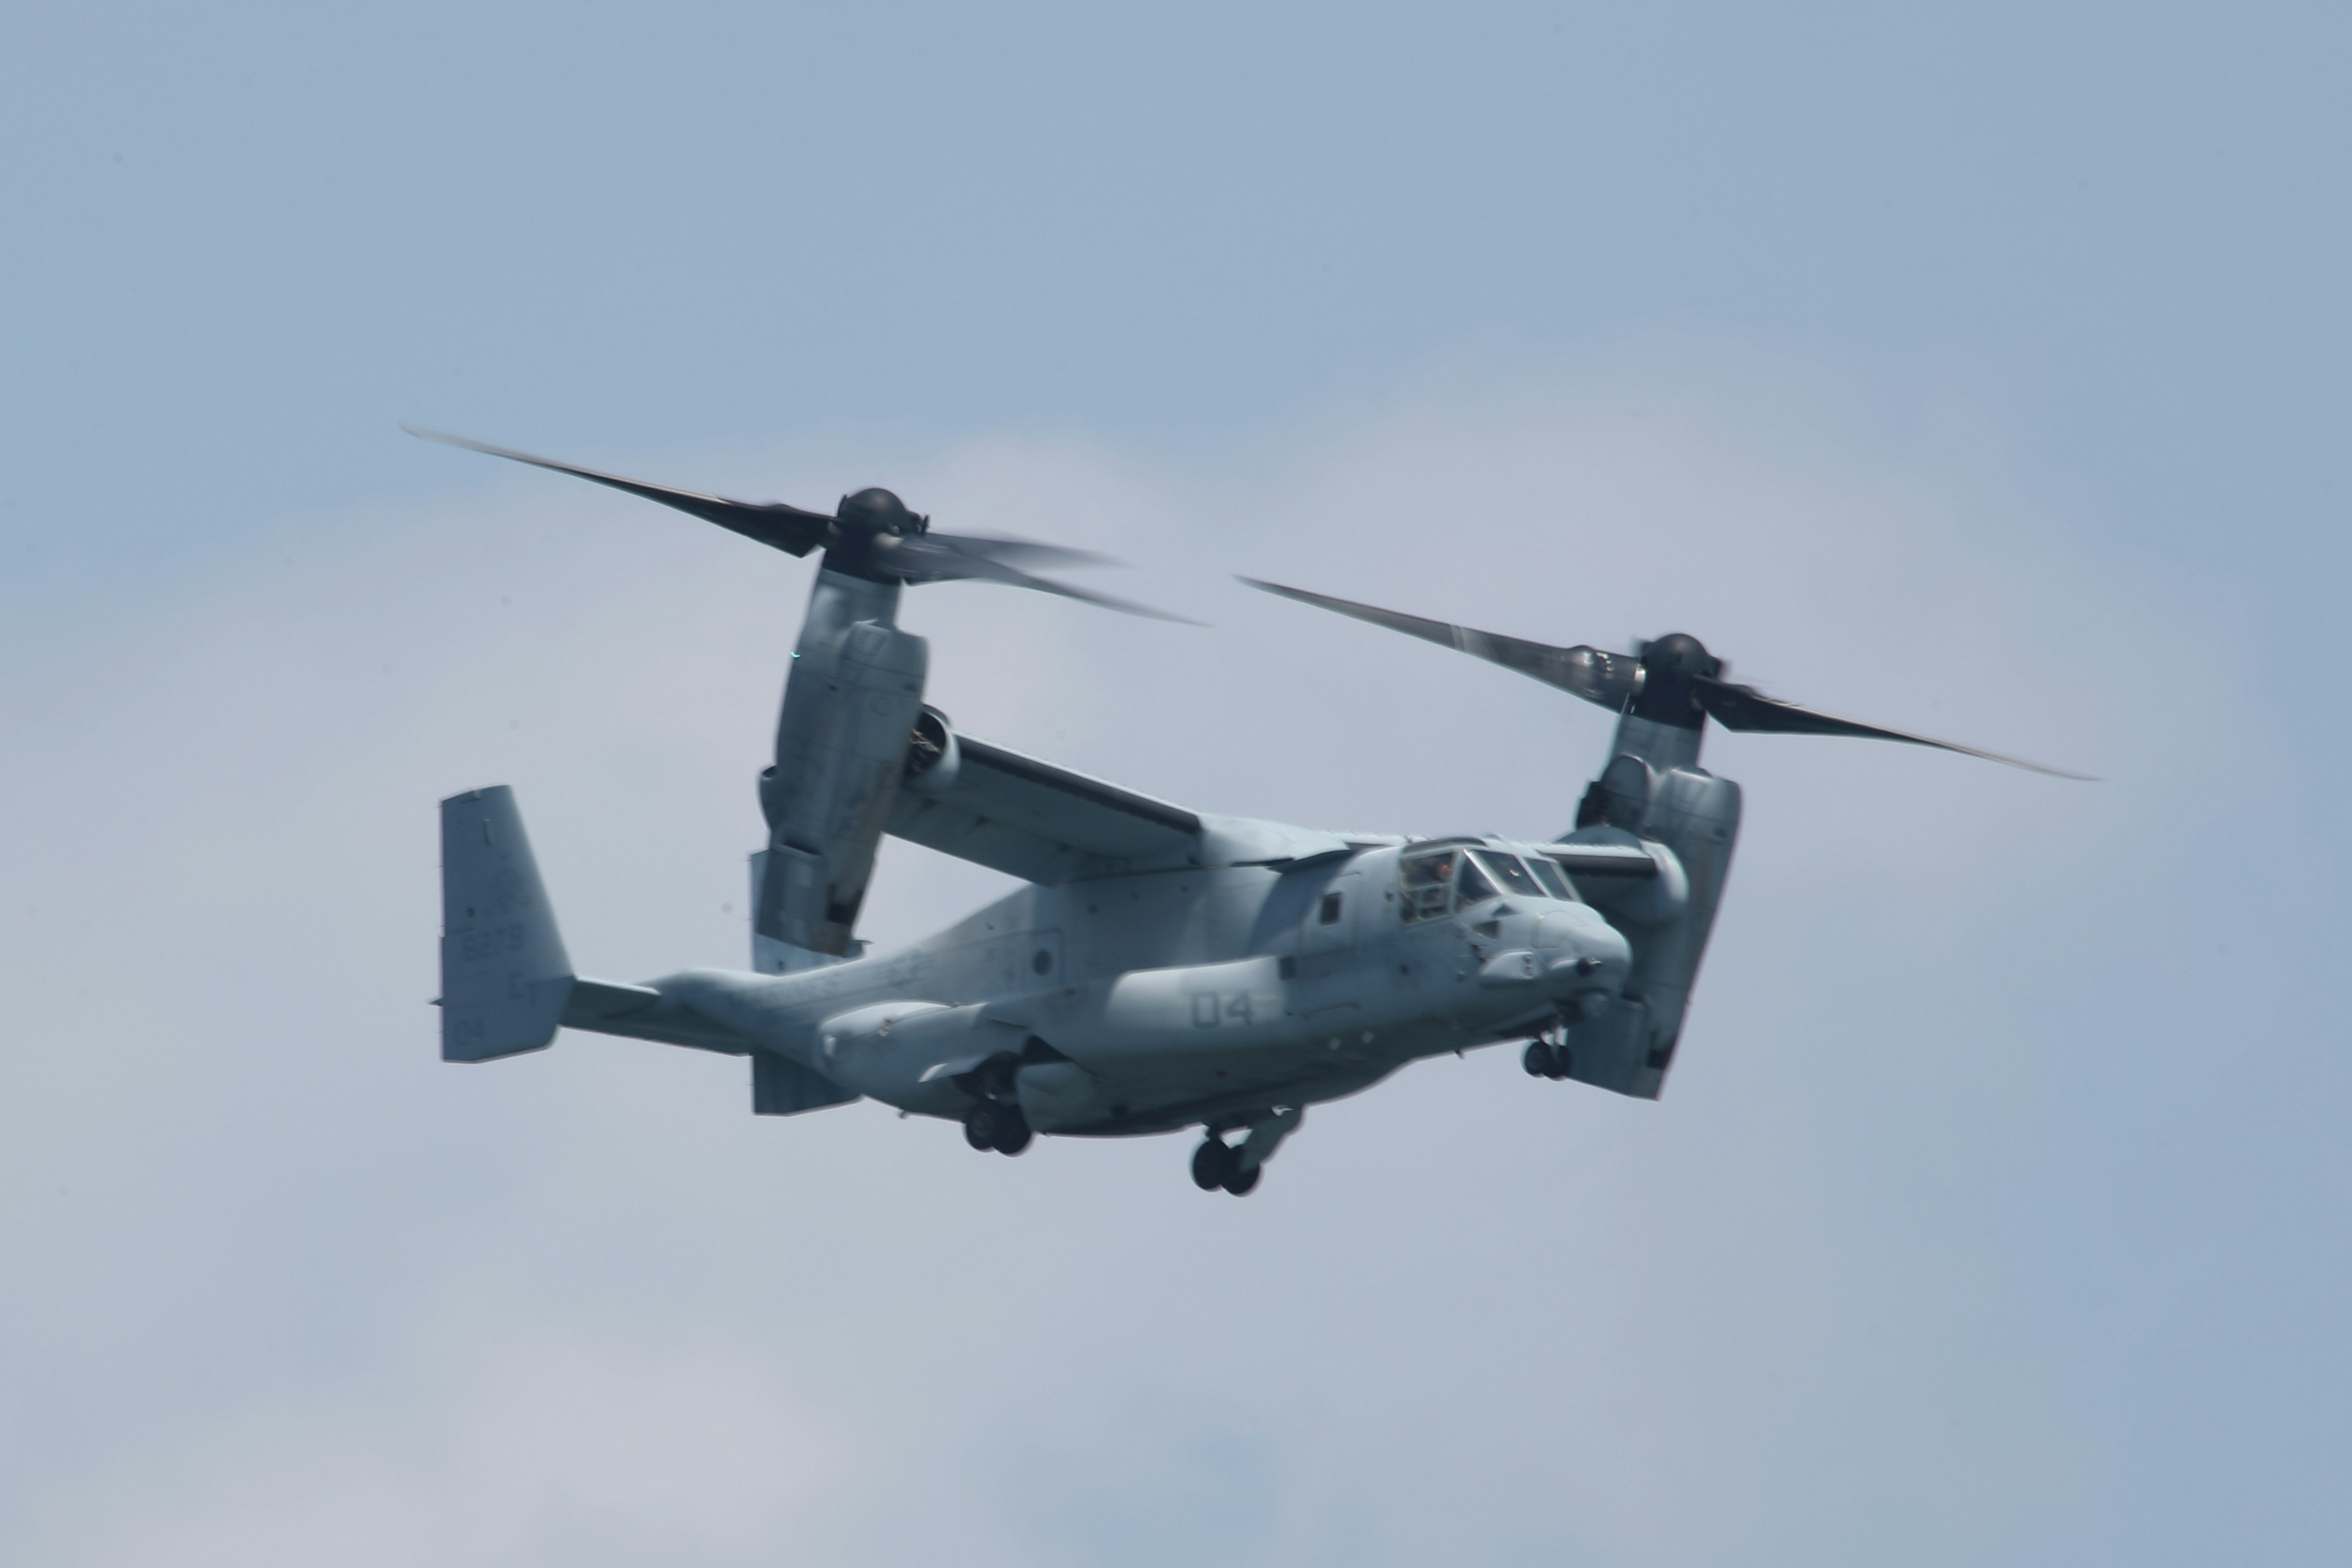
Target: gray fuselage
<point>1152,1000</point>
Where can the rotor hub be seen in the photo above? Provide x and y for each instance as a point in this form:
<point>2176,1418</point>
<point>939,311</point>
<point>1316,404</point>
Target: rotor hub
<point>1672,668</point>
<point>1679,653</point>
<point>877,510</point>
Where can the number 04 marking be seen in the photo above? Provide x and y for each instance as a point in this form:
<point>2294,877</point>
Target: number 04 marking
<point>1209,1009</point>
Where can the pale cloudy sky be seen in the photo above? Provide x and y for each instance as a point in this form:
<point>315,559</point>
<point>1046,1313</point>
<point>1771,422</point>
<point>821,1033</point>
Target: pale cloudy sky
<point>1985,375</point>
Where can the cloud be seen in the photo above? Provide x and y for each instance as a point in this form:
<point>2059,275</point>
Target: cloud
<point>288,1288</point>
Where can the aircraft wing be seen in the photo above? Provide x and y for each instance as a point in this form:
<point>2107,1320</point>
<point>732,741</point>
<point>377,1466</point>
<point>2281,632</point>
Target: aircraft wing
<point>1042,822</point>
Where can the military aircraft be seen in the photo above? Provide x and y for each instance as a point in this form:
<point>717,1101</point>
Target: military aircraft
<point>1163,968</point>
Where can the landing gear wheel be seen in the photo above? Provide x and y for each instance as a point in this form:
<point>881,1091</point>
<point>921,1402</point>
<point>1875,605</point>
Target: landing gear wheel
<point>987,1124</point>
<point>1242,1182</point>
<point>1012,1131</point>
<point>1546,1060</point>
<point>1212,1165</point>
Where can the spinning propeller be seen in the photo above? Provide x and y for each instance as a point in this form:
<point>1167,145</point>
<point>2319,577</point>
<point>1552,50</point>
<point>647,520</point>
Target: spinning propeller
<point>1673,680</point>
<point>870,534</point>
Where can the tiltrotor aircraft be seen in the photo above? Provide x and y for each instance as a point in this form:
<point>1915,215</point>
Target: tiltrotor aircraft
<point>1163,968</point>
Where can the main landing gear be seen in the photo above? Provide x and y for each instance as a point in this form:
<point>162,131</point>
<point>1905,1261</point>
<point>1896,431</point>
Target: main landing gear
<point>1216,1163</point>
<point>996,1124</point>
<point>1236,1168</point>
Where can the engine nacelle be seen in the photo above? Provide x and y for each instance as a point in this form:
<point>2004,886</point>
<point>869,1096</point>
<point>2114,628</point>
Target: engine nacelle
<point>1686,821</point>
<point>852,698</point>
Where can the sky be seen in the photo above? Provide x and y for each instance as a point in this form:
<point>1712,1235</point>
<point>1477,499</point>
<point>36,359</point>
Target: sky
<point>1981,373</point>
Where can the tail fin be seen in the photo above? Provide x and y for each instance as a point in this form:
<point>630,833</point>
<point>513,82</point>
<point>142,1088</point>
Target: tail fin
<point>504,973</point>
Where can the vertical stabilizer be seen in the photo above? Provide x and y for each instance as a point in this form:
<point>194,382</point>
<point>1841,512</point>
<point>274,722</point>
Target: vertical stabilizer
<point>504,973</point>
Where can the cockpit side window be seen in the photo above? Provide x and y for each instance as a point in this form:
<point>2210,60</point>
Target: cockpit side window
<point>1509,874</point>
<point>1425,882</point>
<point>1470,884</point>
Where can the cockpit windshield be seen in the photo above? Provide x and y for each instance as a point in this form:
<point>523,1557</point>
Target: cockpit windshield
<point>1554,879</point>
<point>1436,880</point>
<point>1471,883</point>
<point>1508,874</point>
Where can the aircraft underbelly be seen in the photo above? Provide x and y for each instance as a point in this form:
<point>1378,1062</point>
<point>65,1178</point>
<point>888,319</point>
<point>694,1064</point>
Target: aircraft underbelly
<point>1129,1111</point>
<point>1170,1046</point>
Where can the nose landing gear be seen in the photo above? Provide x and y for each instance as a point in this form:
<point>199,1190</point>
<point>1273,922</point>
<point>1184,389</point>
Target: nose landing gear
<point>1545,1059</point>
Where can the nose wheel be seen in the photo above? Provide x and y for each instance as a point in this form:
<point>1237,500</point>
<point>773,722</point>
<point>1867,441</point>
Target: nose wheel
<point>993,1124</point>
<point>1544,1060</point>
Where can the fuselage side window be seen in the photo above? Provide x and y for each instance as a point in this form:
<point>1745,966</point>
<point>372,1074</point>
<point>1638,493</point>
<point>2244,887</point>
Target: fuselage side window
<point>1328,913</point>
<point>1426,883</point>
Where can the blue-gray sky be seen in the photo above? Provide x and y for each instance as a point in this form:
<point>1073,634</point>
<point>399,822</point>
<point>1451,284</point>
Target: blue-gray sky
<point>1985,373</point>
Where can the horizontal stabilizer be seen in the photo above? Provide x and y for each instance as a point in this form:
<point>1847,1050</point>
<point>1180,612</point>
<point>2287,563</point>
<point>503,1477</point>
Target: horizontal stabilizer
<point>666,1011</point>
<point>594,1002</point>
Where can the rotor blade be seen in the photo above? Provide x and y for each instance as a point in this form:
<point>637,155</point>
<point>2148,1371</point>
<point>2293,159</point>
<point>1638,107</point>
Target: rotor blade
<point>1017,551</point>
<point>1607,678</point>
<point>790,529</point>
<point>915,558</point>
<point>1745,707</point>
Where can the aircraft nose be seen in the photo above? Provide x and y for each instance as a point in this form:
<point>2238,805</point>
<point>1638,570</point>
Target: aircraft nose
<point>1583,951</point>
<point>1579,929</point>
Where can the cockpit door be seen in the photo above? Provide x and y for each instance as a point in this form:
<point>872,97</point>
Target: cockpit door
<point>1330,922</point>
